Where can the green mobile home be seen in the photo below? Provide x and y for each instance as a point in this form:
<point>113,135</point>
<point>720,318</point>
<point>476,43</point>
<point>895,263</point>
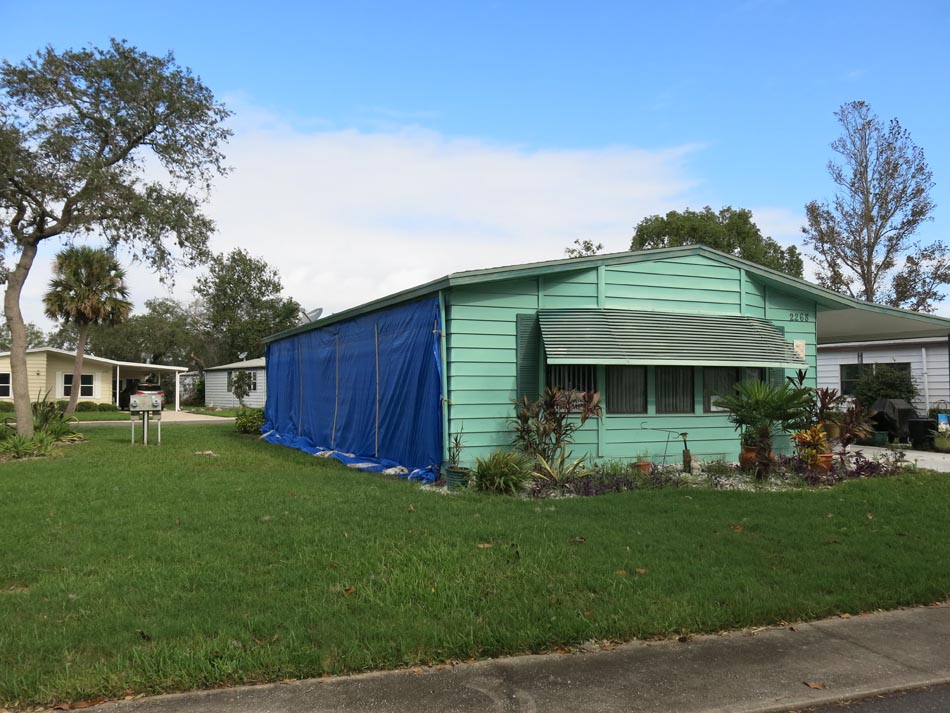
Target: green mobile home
<point>659,333</point>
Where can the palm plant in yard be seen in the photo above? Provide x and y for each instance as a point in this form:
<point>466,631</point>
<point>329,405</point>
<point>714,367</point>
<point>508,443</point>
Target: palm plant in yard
<point>88,287</point>
<point>759,410</point>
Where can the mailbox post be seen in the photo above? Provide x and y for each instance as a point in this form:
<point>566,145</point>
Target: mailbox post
<point>142,406</point>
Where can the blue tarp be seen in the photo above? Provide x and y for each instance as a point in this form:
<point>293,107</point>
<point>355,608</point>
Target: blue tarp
<point>368,389</point>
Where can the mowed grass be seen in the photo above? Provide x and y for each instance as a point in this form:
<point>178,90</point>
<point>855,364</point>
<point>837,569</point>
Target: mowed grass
<point>131,569</point>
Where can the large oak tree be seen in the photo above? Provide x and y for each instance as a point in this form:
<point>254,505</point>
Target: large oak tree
<point>112,143</point>
<point>864,239</point>
<point>731,231</point>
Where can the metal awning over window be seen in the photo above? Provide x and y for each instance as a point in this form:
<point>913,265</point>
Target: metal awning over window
<point>616,336</point>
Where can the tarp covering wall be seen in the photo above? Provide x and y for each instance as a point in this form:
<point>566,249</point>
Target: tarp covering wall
<point>370,386</point>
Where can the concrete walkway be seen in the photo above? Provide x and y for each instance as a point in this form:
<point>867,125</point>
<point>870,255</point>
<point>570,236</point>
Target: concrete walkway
<point>923,459</point>
<point>755,671</point>
<point>168,416</point>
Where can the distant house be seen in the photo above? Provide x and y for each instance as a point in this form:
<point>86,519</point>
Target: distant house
<point>841,364</point>
<point>102,381</point>
<point>218,384</point>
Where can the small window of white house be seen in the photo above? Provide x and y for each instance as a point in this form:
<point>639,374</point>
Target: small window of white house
<point>5,385</point>
<point>231,375</point>
<point>86,385</point>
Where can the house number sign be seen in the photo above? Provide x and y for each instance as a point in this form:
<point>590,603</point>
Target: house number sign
<point>799,317</point>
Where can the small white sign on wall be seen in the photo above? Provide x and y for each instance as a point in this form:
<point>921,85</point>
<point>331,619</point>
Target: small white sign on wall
<point>800,348</point>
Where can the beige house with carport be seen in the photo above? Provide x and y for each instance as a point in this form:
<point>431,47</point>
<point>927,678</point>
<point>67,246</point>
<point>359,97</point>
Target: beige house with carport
<point>51,372</point>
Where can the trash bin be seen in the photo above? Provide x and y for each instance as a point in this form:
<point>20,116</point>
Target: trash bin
<point>920,431</point>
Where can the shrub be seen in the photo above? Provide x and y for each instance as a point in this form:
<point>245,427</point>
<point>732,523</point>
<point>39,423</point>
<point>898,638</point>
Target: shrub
<point>884,382</point>
<point>503,472</point>
<point>6,407</point>
<point>108,407</point>
<point>560,468</point>
<point>249,420</point>
<point>16,446</point>
<point>61,404</point>
<point>87,406</point>
<point>547,426</point>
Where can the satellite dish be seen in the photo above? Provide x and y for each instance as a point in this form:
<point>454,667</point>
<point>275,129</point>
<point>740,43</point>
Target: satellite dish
<point>242,356</point>
<point>311,316</point>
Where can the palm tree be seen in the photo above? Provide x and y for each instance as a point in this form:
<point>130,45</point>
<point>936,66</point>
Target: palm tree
<point>88,287</point>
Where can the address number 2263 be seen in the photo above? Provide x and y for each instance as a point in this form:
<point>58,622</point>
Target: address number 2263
<point>799,317</point>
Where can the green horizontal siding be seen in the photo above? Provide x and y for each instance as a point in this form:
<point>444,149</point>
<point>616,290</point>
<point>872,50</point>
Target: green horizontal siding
<point>483,326</point>
<point>481,354</point>
<point>672,305</point>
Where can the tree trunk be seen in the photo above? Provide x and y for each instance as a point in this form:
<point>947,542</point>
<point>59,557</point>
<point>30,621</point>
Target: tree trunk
<point>77,368</point>
<point>19,376</point>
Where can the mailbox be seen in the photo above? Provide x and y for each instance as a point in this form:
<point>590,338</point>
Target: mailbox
<point>145,403</point>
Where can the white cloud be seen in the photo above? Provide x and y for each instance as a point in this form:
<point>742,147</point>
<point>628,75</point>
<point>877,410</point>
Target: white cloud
<point>347,216</point>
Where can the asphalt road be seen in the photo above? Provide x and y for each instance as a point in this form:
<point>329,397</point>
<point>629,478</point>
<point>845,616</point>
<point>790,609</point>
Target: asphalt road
<point>923,700</point>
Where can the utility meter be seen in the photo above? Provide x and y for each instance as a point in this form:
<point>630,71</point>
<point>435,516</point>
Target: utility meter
<point>145,403</point>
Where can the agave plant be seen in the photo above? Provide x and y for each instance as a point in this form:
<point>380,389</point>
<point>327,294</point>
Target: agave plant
<point>560,468</point>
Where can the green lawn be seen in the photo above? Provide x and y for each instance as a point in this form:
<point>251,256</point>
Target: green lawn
<point>127,569</point>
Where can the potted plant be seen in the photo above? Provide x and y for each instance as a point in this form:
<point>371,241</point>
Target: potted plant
<point>641,462</point>
<point>827,411</point>
<point>456,475</point>
<point>758,410</point>
<point>942,437</point>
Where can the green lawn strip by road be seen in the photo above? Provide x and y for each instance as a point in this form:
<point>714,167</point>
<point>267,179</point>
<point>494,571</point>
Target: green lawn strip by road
<point>130,568</point>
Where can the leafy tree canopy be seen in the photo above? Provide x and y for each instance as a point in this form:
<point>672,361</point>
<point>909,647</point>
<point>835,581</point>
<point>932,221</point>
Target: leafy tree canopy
<point>582,248</point>
<point>164,334</point>
<point>240,304</point>
<point>82,135</point>
<point>731,231</point>
<point>35,336</point>
<point>864,239</point>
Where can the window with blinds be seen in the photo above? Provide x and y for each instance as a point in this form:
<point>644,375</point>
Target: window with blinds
<point>674,389</point>
<point>626,389</point>
<point>577,377</point>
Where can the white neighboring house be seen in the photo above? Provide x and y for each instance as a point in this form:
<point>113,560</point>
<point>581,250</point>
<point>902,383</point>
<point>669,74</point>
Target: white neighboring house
<point>926,358</point>
<point>50,371</point>
<point>218,384</point>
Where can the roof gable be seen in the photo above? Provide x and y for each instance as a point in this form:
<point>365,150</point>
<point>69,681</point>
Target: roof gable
<point>824,298</point>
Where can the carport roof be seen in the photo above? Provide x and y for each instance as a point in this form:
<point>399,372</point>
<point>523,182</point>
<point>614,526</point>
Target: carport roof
<point>102,360</point>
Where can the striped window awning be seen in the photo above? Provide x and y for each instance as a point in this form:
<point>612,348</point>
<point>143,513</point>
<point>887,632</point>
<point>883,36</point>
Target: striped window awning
<point>616,336</point>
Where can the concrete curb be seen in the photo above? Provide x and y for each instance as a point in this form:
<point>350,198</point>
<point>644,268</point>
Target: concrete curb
<point>752,671</point>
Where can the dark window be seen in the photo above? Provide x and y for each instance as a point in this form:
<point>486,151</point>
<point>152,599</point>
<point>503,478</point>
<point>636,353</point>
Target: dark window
<point>626,389</point>
<point>674,389</point>
<point>721,381</point>
<point>5,385</point>
<point>85,384</point>
<point>579,377</point>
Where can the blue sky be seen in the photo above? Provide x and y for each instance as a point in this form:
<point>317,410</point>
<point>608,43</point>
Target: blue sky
<point>383,144</point>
